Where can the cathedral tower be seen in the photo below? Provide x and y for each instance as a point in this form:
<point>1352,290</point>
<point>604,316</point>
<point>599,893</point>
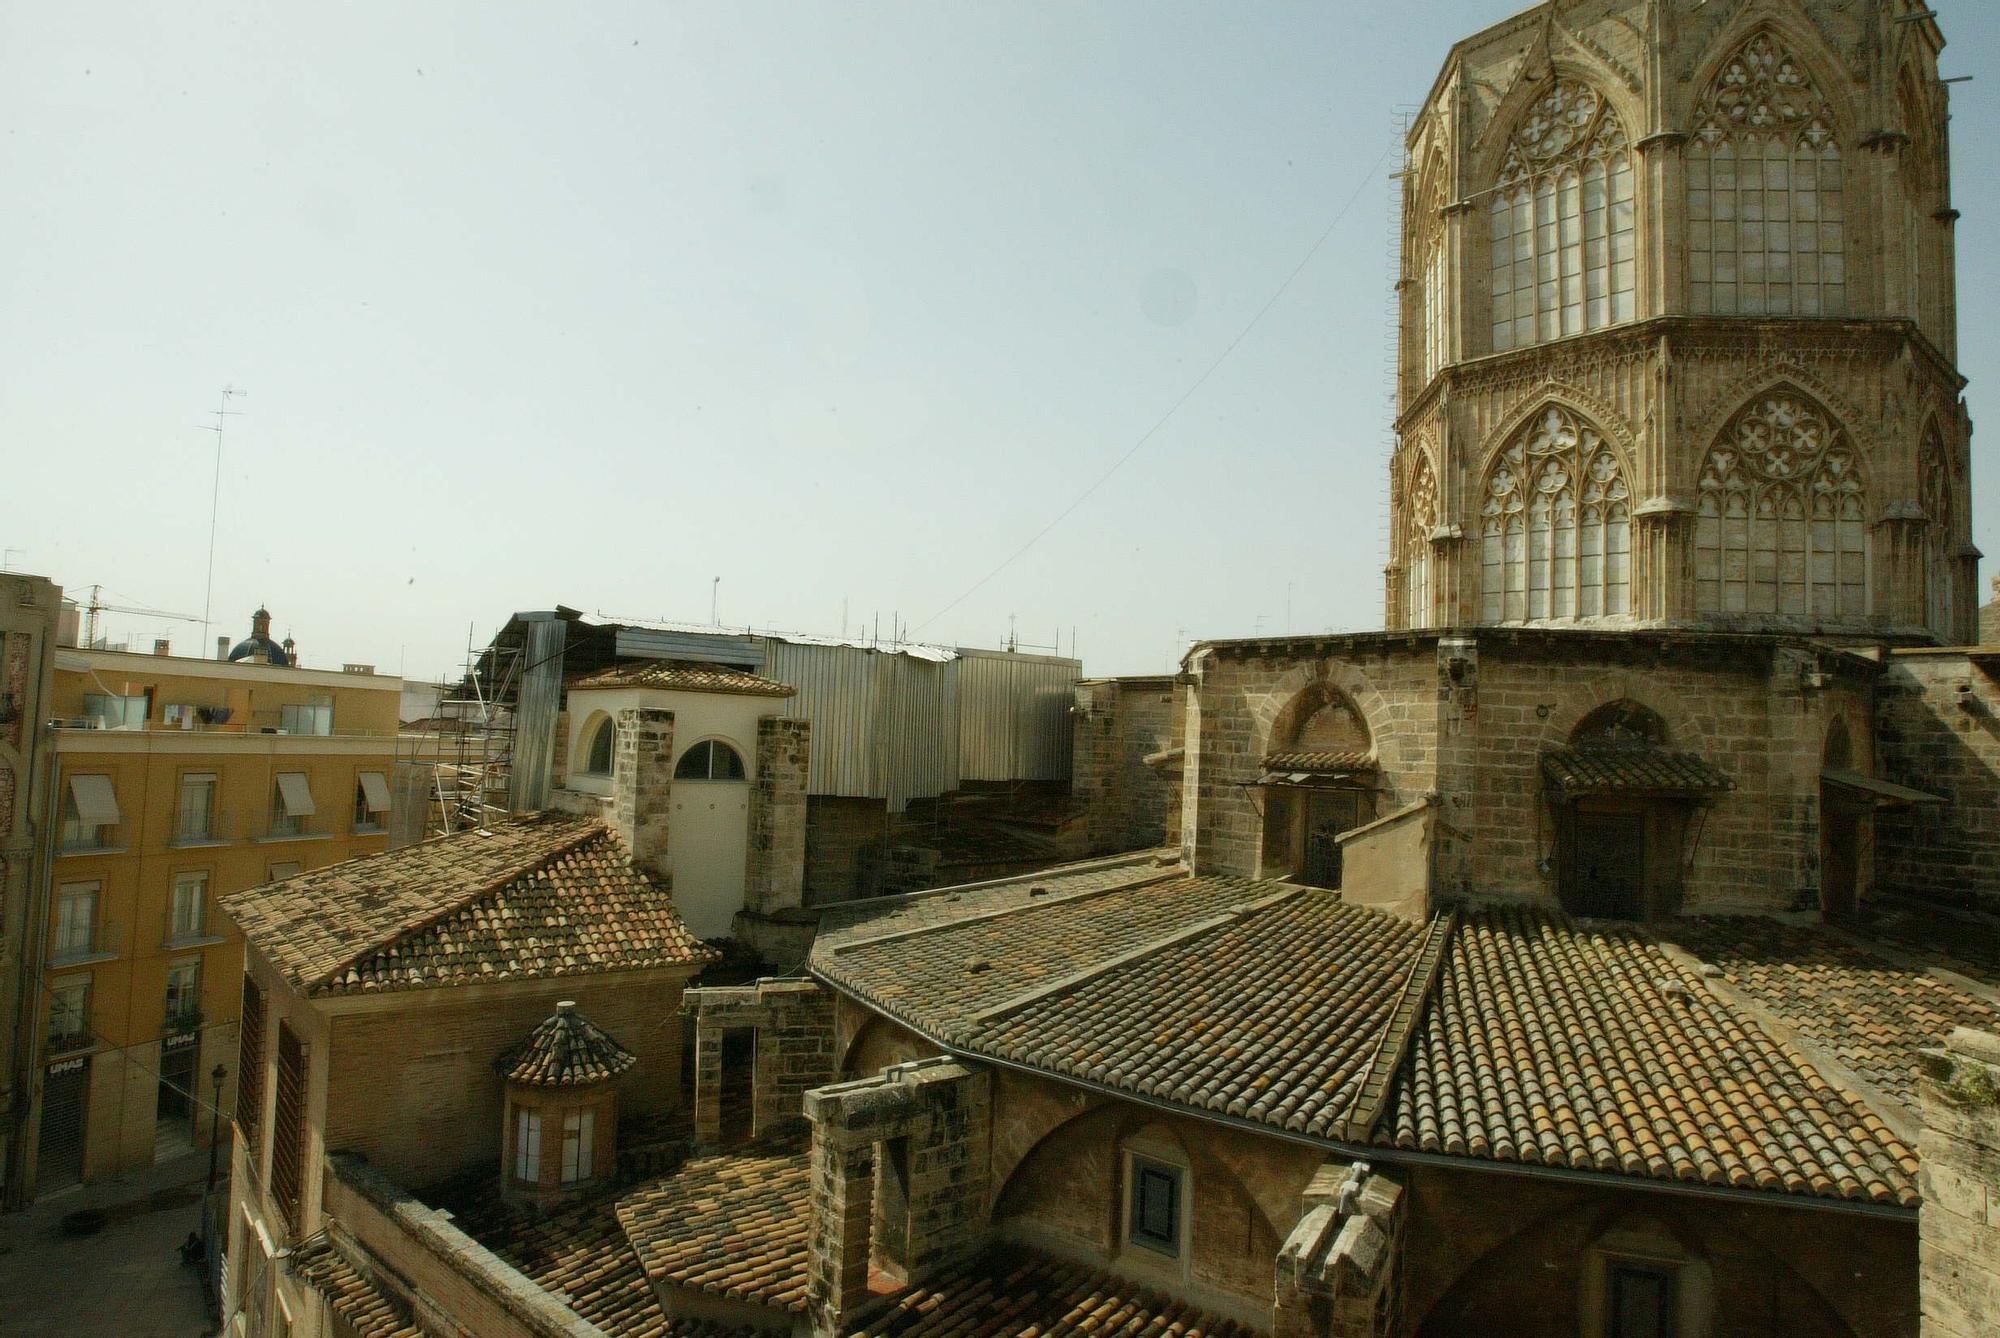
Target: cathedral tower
<point>1678,336</point>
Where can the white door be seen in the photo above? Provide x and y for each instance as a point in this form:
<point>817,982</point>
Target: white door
<point>710,840</point>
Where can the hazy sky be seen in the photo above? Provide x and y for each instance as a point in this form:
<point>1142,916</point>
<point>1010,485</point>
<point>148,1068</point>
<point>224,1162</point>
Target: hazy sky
<point>591,303</point>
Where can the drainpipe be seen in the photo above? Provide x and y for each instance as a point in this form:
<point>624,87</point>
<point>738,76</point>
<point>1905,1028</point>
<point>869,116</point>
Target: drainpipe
<point>34,947</point>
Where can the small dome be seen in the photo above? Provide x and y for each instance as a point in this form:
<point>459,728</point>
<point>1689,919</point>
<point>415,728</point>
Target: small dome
<point>567,1050</point>
<point>259,645</point>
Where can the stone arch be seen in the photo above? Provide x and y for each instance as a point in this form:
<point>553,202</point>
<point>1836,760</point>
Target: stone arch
<point>1589,696</point>
<point>1609,424</point>
<point>1279,708</point>
<point>1620,722</point>
<point>1577,65</point>
<point>878,1043</point>
<point>1801,41</point>
<point>1420,508</point>
<point>1554,521</point>
<point>1776,375</point>
<point>594,730</point>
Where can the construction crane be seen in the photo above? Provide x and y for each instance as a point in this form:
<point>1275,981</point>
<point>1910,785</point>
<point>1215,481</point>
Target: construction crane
<point>97,606</point>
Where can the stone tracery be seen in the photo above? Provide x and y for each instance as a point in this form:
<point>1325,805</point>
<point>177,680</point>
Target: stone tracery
<point>1555,525</point>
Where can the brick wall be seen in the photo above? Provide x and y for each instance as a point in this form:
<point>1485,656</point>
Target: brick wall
<point>1121,722</point>
<point>643,787</point>
<point>774,875</point>
<point>1937,728</point>
<point>838,830</point>
<point>794,1021</point>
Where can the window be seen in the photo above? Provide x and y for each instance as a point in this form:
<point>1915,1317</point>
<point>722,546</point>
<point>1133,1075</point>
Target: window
<point>314,717</point>
<point>578,1127</point>
<point>1561,222</point>
<point>1420,519</point>
<point>291,803</point>
<point>1640,1301</point>
<point>709,760</point>
<point>69,1015</point>
<point>194,813</point>
<point>250,1066</point>
<point>1156,1205</point>
<point>528,1147</point>
<point>1555,528</point>
<point>110,711</point>
<point>1765,218</point>
<point>598,760</point>
<point>188,913</point>
<point>1780,519</point>
<point>288,1127</point>
<point>76,921</point>
<point>371,801</point>
<point>90,810</point>
<point>285,868</point>
<point>1427,259</point>
<point>1940,484</point>
<point>184,995</point>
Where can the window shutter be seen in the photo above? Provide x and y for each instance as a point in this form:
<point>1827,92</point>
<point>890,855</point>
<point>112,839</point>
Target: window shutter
<point>288,1127</point>
<point>96,801</point>
<point>292,788</point>
<point>250,1067</point>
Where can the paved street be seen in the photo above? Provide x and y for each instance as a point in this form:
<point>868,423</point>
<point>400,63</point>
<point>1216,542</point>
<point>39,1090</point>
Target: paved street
<point>127,1279</point>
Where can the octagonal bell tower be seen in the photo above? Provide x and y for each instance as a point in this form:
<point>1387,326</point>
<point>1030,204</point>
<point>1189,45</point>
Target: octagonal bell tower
<point>1678,327</point>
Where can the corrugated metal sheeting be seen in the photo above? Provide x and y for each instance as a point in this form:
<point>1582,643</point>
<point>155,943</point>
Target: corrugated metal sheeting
<point>1013,716</point>
<point>882,723</point>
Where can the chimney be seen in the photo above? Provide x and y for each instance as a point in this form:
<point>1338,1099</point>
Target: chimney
<point>161,646</point>
<point>642,787</point>
<point>222,648</point>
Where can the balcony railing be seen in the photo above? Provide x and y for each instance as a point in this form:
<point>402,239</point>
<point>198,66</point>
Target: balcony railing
<point>77,1038</point>
<point>295,829</point>
<point>100,940</point>
<point>200,829</point>
<point>78,839</point>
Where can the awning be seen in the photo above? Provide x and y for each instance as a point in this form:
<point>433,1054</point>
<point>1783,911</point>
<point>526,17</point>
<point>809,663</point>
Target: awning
<point>292,788</point>
<point>375,791</point>
<point>96,801</point>
<point>1631,770</point>
<point>1886,794</point>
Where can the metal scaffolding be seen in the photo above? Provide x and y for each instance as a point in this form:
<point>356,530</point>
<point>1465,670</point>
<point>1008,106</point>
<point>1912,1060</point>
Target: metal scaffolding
<point>459,760</point>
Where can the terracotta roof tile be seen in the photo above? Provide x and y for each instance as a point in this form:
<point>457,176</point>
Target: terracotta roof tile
<point>566,1050</point>
<point>684,676</point>
<point>1587,1047</point>
<point>1327,764</point>
<point>1011,1290</point>
<point>365,1308</point>
<point>546,897</point>
<point>1598,770</point>
<point>733,1224</point>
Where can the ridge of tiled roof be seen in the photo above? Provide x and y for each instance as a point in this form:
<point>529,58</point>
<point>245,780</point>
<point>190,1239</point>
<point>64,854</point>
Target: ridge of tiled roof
<point>1011,1289</point>
<point>733,1224</point>
<point>356,1299</point>
<point>566,1049</point>
<point>1514,1035</point>
<point>685,676</point>
<point>1586,1047</point>
<point>548,896</point>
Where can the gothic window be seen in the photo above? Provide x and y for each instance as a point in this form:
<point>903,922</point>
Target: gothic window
<point>1766,230</point>
<point>1555,528</point>
<point>1561,221</point>
<point>1420,518</point>
<point>1938,492</point>
<point>1780,524</point>
<point>1428,253</point>
<point>1917,173</point>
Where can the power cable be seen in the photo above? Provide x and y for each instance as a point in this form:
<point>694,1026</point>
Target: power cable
<point>1175,407</point>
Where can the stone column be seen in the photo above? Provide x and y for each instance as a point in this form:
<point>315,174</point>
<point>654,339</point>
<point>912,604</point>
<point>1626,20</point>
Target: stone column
<point>843,1219</point>
<point>1958,1227</point>
<point>1899,560</point>
<point>707,1075</point>
<point>1662,561</point>
<point>775,874</point>
<point>642,786</point>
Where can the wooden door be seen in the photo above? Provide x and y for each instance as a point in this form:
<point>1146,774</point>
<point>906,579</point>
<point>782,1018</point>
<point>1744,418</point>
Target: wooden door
<point>1607,865</point>
<point>1328,813</point>
<point>1839,857</point>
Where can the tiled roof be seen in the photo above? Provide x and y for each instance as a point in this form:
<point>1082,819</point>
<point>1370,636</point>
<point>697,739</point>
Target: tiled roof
<point>1596,770</point>
<point>1011,1290</point>
<point>850,922</point>
<point>1868,1011</point>
<point>685,676</point>
<point>367,1310</point>
<point>566,1050</point>
<point>733,1224</point>
<point>1515,1035</point>
<point>1326,764</point>
<point>546,897</point>
<point>581,1255</point>
<point>1588,1048</point>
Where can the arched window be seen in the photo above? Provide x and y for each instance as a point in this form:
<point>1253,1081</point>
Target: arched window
<point>1420,518</point>
<point>1939,490</point>
<point>1766,229</point>
<point>1561,221</point>
<point>1555,529</point>
<point>1620,724</point>
<point>597,760</point>
<point>1427,255</point>
<point>1920,176</point>
<point>710,759</point>
<point>1780,522</point>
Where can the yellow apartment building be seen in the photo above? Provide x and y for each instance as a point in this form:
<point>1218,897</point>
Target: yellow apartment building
<point>174,781</point>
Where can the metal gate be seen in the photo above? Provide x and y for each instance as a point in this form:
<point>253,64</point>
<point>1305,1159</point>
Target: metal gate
<point>65,1105</point>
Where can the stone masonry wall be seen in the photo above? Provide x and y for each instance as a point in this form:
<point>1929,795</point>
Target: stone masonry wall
<point>1123,721</point>
<point>1937,728</point>
<point>643,787</point>
<point>1958,1229</point>
<point>839,831</point>
<point>774,878</point>
<point>795,1052</point>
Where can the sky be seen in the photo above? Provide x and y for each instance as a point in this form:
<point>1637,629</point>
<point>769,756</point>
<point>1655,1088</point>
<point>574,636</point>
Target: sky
<point>844,304</point>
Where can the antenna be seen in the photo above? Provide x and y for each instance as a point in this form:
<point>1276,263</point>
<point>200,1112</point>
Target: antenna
<point>223,413</point>
<point>714,593</point>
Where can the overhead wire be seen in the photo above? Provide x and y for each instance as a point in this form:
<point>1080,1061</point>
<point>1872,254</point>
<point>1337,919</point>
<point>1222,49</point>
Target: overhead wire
<point>1174,408</point>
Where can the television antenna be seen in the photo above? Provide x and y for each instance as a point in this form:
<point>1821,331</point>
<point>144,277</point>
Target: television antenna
<point>223,413</point>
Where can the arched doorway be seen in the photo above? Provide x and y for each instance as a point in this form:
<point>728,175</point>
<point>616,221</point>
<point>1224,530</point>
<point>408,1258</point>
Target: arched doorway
<point>1319,781</point>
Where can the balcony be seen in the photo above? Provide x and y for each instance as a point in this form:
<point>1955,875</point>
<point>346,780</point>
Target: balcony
<point>201,829</point>
<point>76,1037</point>
<point>100,942</point>
<point>284,828</point>
<point>85,839</point>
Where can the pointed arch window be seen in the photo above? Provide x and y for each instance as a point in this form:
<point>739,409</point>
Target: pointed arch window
<point>1766,219</point>
<point>1427,251</point>
<point>1780,524</point>
<point>1420,519</point>
<point>1939,490</point>
<point>1560,224</point>
<point>1555,526</point>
